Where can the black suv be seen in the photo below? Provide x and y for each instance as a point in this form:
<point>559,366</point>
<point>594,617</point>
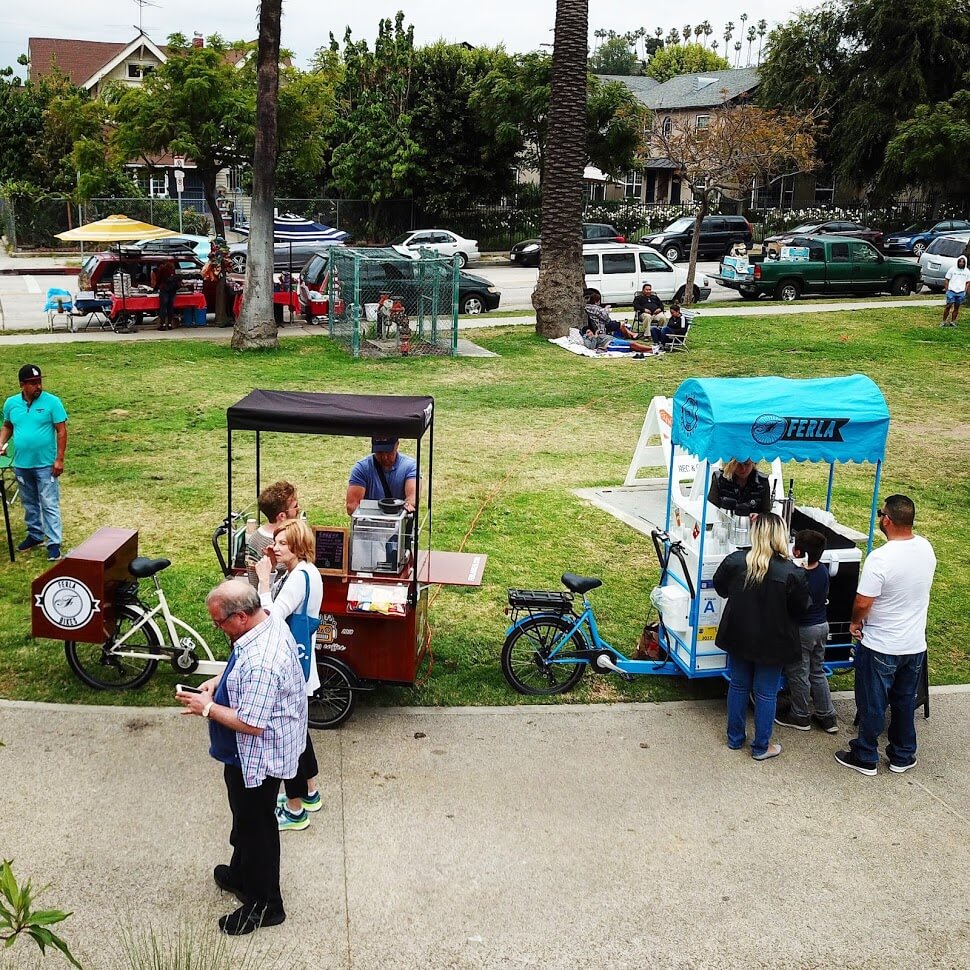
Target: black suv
<point>718,235</point>
<point>475,293</point>
<point>529,251</point>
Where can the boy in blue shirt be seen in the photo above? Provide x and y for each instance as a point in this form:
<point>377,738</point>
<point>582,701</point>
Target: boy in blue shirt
<point>807,676</point>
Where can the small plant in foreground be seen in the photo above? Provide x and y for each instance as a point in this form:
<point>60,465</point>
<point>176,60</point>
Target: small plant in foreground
<point>190,946</point>
<point>17,917</point>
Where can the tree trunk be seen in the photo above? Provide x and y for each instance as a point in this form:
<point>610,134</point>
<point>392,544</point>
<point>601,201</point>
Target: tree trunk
<point>209,191</point>
<point>256,327</point>
<point>558,296</point>
<point>694,245</point>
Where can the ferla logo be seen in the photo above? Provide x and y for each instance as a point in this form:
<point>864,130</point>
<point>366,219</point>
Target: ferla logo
<point>769,428</point>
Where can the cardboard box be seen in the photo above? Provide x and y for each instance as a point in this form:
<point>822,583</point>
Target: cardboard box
<point>795,254</point>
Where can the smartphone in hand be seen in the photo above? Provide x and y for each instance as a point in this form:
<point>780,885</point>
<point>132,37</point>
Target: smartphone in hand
<point>186,689</point>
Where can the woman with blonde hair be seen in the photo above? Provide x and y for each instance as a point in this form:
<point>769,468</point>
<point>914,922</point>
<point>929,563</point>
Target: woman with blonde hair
<point>740,481</point>
<point>765,593</point>
<point>294,597</point>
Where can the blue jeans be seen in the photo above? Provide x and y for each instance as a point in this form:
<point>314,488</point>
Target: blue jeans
<point>40,495</point>
<point>764,680</point>
<point>886,680</point>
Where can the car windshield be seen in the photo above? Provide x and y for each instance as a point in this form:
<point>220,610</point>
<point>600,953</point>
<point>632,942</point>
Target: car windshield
<point>400,240</point>
<point>947,246</point>
<point>806,227</point>
<point>679,225</point>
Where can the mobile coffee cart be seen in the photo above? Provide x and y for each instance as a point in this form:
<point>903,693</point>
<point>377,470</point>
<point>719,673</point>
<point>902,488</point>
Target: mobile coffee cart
<point>376,572</point>
<point>831,420</point>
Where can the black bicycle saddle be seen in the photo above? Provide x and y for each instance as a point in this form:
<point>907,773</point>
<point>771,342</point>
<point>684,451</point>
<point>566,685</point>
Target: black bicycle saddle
<point>142,567</point>
<point>580,584</point>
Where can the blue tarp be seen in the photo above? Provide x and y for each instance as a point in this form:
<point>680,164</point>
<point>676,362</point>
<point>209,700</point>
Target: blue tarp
<point>831,419</point>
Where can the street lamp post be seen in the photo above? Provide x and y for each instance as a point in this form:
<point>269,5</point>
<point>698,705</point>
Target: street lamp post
<point>179,173</point>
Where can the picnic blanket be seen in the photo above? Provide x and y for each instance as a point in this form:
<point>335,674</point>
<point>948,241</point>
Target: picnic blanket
<point>574,344</point>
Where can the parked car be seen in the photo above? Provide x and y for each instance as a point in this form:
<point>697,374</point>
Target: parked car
<point>444,242</point>
<point>619,272</point>
<point>287,257</point>
<point>719,234</point>
<point>529,251</point>
<point>834,264</point>
<point>835,227</point>
<point>198,245</point>
<point>940,255</point>
<point>914,239</point>
<point>475,293</point>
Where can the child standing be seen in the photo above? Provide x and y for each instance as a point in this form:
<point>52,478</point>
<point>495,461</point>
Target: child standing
<point>806,676</point>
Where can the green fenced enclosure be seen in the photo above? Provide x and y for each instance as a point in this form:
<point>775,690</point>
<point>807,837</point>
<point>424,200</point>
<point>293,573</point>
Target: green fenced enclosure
<point>384,303</point>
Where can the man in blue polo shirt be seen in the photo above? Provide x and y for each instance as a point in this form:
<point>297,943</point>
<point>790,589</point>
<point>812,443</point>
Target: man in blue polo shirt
<point>37,422</point>
<point>383,474</point>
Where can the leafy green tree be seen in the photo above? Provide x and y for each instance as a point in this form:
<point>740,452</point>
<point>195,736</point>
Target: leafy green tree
<point>558,296</point>
<point>614,56</point>
<point>924,147</point>
<point>677,59</point>
<point>515,102</point>
<point>198,104</point>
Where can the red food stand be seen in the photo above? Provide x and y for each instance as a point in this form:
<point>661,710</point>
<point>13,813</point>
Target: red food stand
<point>374,625</point>
<point>128,310</point>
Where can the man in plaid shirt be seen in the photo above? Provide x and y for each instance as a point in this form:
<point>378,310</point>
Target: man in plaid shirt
<point>257,713</point>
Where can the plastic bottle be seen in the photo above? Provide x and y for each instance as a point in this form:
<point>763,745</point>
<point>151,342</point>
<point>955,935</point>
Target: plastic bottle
<point>250,527</point>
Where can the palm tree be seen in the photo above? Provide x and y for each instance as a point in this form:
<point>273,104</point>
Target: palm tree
<point>256,326</point>
<point>762,30</point>
<point>728,33</point>
<point>714,46</point>
<point>673,37</point>
<point>558,296</point>
<point>752,33</point>
<point>737,53</point>
<point>698,30</point>
<point>687,32</point>
<point>707,28</point>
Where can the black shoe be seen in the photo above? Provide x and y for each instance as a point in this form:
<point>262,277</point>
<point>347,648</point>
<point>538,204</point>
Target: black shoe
<point>848,760</point>
<point>248,918</point>
<point>800,722</point>
<point>29,543</point>
<point>899,769</point>
<point>223,879</point>
<point>828,722</point>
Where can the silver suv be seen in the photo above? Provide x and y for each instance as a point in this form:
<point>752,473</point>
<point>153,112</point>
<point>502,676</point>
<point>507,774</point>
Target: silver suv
<point>940,255</point>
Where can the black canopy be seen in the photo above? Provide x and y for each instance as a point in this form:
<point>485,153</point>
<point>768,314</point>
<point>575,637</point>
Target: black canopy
<point>355,415</point>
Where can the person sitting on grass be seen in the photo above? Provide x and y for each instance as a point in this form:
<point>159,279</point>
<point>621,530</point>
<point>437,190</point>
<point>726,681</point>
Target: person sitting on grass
<point>601,330</point>
<point>676,325</point>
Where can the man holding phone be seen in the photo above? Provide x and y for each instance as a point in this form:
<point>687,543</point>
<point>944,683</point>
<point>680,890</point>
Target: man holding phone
<point>257,713</point>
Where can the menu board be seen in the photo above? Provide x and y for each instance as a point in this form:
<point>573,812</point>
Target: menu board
<point>330,550</point>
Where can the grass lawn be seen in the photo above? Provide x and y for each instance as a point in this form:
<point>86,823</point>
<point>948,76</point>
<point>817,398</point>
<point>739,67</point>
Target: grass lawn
<point>515,434</point>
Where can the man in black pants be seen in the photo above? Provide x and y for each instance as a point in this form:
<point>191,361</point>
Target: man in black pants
<point>257,713</point>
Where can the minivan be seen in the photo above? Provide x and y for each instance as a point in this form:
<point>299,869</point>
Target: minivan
<point>940,255</point>
<point>718,235</point>
<point>619,271</point>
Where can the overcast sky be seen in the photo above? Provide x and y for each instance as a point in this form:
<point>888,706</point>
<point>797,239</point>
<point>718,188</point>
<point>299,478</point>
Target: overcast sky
<point>521,25</point>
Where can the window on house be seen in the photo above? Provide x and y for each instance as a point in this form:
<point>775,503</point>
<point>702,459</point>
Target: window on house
<point>633,184</point>
<point>138,71</point>
<point>703,123</point>
<point>667,127</point>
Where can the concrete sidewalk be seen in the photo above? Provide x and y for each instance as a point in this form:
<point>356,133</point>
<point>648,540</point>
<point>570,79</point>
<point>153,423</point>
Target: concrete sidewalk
<point>620,836</point>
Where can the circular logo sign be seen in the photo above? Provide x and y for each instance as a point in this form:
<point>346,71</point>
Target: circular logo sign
<point>768,428</point>
<point>67,603</point>
<point>688,414</point>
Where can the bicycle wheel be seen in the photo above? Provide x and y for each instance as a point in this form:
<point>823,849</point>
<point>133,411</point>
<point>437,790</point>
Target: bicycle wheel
<point>99,667</point>
<point>525,657</point>
<point>333,702</point>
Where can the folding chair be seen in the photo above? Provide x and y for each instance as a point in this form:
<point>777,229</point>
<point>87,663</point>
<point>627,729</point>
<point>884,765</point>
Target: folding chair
<point>59,303</point>
<point>678,341</point>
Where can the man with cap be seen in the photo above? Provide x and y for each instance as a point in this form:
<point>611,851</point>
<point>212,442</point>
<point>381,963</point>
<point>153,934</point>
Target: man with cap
<point>383,474</point>
<point>37,422</point>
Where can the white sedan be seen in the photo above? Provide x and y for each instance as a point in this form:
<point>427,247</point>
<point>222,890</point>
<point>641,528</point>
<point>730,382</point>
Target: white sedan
<point>442,241</point>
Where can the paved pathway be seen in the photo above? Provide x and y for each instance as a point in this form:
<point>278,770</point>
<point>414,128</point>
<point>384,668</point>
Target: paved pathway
<point>604,836</point>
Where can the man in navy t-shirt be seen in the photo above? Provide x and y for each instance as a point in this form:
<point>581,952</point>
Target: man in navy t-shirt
<point>383,474</point>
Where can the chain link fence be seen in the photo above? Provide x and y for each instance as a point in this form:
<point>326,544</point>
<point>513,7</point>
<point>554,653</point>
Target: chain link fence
<point>384,304</point>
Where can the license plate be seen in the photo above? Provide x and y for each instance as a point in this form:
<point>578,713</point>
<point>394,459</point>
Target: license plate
<point>933,265</point>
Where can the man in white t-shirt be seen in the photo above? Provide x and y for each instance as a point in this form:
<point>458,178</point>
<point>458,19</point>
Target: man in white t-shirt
<point>957,288</point>
<point>889,623</point>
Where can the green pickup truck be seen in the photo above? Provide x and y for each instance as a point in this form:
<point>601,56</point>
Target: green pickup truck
<point>834,265</point>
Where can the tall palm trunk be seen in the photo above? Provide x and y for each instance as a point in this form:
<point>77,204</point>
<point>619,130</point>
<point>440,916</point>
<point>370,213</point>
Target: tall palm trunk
<point>256,326</point>
<point>558,296</point>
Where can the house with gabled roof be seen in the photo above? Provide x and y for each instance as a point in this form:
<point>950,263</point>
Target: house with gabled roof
<point>682,101</point>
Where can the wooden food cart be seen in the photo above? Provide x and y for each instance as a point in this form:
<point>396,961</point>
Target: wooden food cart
<point>373,624</point>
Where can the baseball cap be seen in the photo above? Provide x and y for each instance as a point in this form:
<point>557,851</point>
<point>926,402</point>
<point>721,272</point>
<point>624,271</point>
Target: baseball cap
<point>378,445</point>
<point>29,372</point>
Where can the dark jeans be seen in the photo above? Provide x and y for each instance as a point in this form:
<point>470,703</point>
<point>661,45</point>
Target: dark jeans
<point>885,680</point>
<point>763,680</point>
<point>296,787</point>
<point>166,304</point>
<point>255,839</point>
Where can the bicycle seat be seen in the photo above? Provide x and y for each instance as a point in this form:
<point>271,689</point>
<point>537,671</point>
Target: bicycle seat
<point>142,567</point>
<point>580,584</point>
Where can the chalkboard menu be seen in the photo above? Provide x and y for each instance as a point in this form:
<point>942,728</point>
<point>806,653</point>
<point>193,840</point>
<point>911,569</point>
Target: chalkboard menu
<point>330,550</point>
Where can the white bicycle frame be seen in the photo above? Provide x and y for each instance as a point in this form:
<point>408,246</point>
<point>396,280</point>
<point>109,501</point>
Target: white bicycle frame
<point>174,647</point>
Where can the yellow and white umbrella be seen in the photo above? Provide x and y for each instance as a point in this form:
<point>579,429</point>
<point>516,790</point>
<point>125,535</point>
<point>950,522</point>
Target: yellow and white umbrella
<point>115,228</point>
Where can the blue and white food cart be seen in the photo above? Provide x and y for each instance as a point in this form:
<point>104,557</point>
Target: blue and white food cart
<point>771,419</point>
